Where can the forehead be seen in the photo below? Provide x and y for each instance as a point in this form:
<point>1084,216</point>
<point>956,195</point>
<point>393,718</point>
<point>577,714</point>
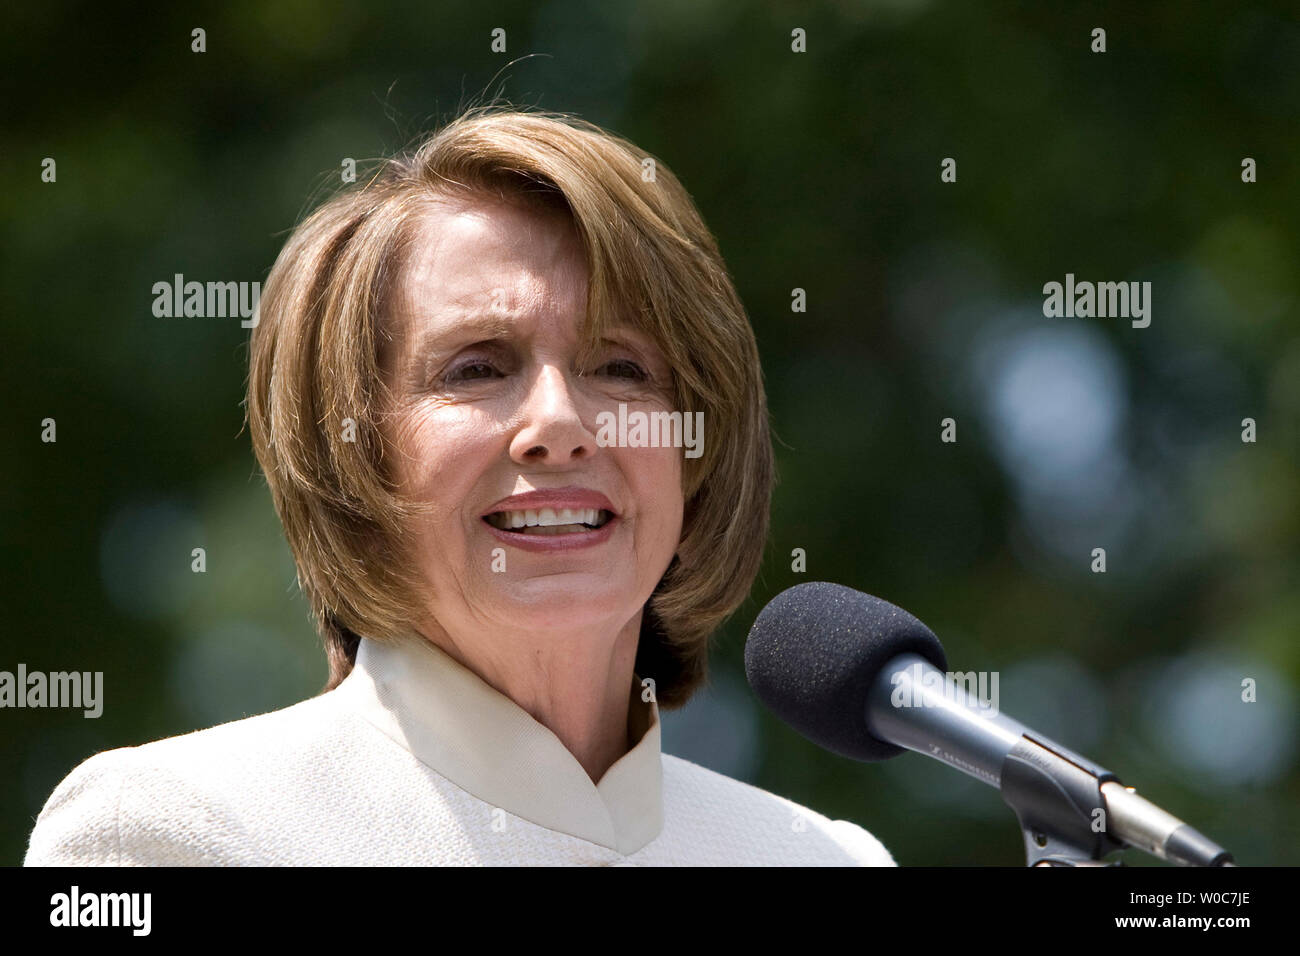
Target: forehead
<point>488,269</point>
<point>471,254</point>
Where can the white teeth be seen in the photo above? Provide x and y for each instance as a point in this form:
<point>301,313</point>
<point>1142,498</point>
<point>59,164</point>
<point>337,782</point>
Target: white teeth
<point>568,518</point>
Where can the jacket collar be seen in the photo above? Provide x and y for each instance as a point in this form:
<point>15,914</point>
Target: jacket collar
<point>453,721</point>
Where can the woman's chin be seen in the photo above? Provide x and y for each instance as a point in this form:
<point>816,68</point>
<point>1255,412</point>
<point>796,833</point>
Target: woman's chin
<point>566,601</point>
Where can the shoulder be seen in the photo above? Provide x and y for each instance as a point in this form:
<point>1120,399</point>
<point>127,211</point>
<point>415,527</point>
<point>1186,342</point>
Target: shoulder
<point>747,825</point>
<point>177,801</point>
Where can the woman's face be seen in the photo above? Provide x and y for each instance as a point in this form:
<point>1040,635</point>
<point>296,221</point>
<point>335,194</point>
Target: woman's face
<point>533,524</point>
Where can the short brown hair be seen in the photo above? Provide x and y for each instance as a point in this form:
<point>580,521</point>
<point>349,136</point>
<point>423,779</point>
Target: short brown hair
<point>652,263</point>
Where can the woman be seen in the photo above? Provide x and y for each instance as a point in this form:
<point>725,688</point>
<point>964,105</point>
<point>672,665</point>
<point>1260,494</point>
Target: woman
<point>507,589</point>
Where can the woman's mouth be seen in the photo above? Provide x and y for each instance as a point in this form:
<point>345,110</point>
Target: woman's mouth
<point>549,521</point>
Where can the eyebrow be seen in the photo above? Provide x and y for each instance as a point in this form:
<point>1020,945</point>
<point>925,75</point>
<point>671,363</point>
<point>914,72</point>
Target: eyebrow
<point>438,343</point>
<point>475,328</point>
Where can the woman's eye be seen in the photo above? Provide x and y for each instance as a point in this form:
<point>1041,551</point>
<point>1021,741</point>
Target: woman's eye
<point>625,368</point>
<point>473,371</point>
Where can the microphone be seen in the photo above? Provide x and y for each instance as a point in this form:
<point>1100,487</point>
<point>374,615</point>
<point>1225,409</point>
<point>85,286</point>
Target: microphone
<point>867,680</point>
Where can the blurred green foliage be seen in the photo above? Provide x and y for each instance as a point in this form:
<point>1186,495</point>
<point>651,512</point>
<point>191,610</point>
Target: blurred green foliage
<point>818,171</point>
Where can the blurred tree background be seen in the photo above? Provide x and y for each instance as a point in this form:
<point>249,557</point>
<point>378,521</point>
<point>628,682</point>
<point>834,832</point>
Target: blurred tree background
<point>816,170</point>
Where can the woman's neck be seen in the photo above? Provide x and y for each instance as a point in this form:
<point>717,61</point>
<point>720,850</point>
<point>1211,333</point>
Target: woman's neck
<point>576,685</point>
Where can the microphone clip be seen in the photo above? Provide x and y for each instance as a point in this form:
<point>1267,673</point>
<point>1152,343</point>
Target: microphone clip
<point>1056,796</point>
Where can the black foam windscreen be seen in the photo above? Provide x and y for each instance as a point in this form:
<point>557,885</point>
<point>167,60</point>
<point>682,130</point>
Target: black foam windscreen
<point>815,650</point>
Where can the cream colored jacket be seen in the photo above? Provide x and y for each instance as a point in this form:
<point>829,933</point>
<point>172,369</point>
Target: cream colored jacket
<point>413,760</point>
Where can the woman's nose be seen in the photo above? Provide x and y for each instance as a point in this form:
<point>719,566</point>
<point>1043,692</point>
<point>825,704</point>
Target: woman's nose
<point>552,431</point>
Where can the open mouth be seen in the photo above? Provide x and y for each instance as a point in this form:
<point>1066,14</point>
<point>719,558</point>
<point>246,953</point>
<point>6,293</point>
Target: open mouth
<point>549,521</point>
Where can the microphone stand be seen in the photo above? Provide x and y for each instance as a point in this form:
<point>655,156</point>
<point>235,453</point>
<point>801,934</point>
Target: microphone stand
<point>1056,796</point>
